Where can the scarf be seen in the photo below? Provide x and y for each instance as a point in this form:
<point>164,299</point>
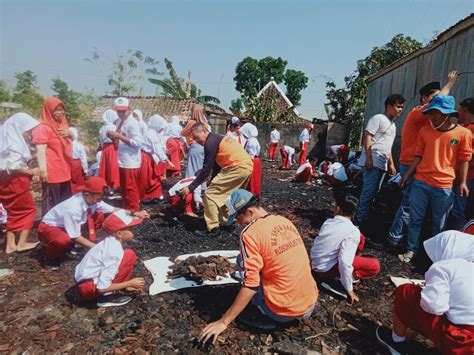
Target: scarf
<point>450,245</point>
<point>11,135</point>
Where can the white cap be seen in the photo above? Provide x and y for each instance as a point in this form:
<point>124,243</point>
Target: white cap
<point>121,104</point>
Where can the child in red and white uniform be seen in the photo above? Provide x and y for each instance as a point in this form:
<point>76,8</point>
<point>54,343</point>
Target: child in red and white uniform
<point>252,147</point>
<point>341,151</point>
<point>186,202</point>
<point>304,140</point>
<point>288,156</point>
<point>60,228</point>
<point>129,139</point>
<point>79,166</point>
<point>273,146</point>
<point>15,180</point>
<point>153,154</point>
<point>336,174</point>
<point>108,167</point>
<point>335,249</point>
<point>233,130</point>
<point>108,267</point>
<point>304,173</point>
<point>171,139</point>
<point>443,310</point>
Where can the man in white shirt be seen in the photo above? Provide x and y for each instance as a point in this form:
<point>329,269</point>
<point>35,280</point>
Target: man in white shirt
<point>442,310</point>
<point>376,156</point>
<point>273,146</point>
<point>334,250</point>
<point>60,228</point>
<point>129,138</point>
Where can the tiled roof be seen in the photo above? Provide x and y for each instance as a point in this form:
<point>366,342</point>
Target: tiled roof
<point>149,105</point>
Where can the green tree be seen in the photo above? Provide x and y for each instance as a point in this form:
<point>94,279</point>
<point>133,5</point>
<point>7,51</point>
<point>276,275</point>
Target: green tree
<point>236,106</point>
<point>5,93</point>
<point>352,98</point>
<point>27,93</point>
<point>70,98</point>
<point>252,74</point>
<point>128,71</point>
<point>295,82</point>
<point>339,106</point>
<point>175,86</point>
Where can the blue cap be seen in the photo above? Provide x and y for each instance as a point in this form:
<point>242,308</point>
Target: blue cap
<point>444,104</point>
<point>235,202</point>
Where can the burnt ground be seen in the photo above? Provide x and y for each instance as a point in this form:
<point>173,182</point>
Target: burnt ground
<point>40,313</point>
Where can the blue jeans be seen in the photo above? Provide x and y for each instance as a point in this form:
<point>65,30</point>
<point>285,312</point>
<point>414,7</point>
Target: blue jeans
<point>371,185</point>
<point>402,216</point>
<point>259,301</point>
<point>421,196</point>
<point>457,218</point>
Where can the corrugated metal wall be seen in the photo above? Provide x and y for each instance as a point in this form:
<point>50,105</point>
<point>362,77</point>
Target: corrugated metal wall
<point>457,53</point>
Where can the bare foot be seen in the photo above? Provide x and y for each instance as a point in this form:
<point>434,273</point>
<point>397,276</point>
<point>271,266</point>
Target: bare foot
<point>27,246</point>
<point>10,249</point>
<point>191,214</point>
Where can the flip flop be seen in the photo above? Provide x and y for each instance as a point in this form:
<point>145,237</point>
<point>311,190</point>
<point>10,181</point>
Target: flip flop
<point>405,258</point>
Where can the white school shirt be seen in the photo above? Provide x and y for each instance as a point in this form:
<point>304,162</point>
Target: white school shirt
<point>103,139</point>
<point>101,263</point>
<point>153,144</point>
<point>290,151</point>
<point>384,132</point>
<point>449,289</point>
<point>252,147</point>
<point>79,152</point>
<point>335,148</point>
<point>337,170</point>
<point>129,155</point>
<point>304,167</point>
<point>72,214</point>
<point>304,136</point>
<point>274,136</point>
<point>336,244</point>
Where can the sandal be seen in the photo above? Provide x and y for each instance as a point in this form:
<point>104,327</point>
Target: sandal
<point>405,258</point>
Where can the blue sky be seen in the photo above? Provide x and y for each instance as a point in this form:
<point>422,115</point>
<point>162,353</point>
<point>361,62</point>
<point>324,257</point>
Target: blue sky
<point>209,37</point>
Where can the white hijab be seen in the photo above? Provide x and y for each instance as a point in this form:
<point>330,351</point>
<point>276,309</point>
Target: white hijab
<point>174,129</point>
<point>110,116</point>
<point>249,130</point>
<point>11,135</point>
<point>157,123</point>
<point>450,245</point>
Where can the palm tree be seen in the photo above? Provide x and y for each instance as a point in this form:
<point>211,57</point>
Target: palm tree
<point>173,87</point>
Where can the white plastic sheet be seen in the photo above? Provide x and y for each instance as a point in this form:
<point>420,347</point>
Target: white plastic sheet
<point>160,266</point>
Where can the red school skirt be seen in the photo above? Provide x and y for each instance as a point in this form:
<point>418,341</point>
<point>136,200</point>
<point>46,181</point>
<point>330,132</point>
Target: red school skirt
<point>16,197</point>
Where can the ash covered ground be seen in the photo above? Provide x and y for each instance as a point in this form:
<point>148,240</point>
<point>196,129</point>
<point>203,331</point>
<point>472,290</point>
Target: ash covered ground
<point>39,311</point>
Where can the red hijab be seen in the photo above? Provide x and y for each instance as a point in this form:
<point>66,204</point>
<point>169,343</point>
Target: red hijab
<point>46,118</point>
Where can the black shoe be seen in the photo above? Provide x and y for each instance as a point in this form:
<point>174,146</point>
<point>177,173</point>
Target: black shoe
<point>113,300</point>
<point>394,243</point>
<point>205,233</point>
<point>334,286</point>
<point>384,336</point>
<point>51,265</point>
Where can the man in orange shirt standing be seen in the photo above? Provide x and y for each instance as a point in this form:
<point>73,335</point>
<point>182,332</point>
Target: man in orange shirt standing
<point>414,122</point>
<point>275,267</point>
<point>457,218</point>
<point>440,150</point>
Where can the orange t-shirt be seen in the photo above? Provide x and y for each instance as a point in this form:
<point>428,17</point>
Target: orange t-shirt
<point>274,256</point>
<point>57,165</point>
<point>440,152</point>
<point>232,154</point>
<point>470,173</point>
<point>414,122</point>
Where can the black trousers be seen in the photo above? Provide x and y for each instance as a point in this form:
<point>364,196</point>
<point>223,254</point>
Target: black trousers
<point>53,194</point>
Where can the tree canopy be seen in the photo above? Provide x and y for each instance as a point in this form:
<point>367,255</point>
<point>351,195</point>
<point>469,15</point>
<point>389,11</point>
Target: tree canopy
<point>347,104</point>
